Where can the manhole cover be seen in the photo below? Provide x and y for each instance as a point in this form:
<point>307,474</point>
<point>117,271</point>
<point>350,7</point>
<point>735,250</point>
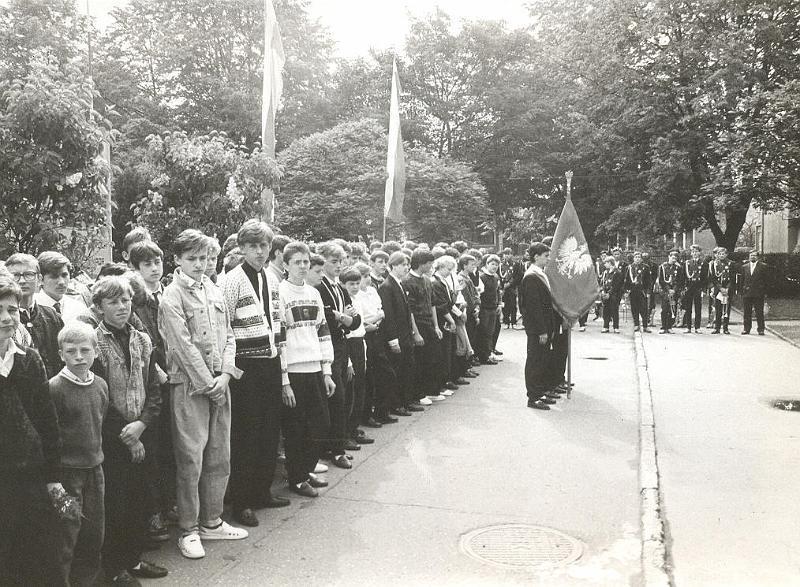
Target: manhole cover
<point>596,358</point>
<point>789,405</point>
<point>520,546</point>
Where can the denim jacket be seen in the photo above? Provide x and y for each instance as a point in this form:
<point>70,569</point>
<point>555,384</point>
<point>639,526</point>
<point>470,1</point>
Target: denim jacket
<point>197,333</point>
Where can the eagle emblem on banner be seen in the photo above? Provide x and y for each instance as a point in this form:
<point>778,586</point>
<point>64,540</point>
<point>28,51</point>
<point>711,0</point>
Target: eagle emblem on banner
<point>573,259</point>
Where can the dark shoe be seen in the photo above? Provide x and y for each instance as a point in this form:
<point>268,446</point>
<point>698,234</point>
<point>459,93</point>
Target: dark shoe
<point>470,374</point>
<point>415,408</point>
<point>364,440</point>
<point>387,419</point>
<point>125,578</point>
<point>636,329</point>
<point>553,395</point>
<point>342,462</point>
<point>148,570</point>
<point>745,332</point>
<point>315,481</point>
<point>273,502</point>
<point>760,333</point>
<point>401,412</point>
<point>538,405</point>
<point>715,331</point>
<point>488,362</point>
<point>498,353</point>
<point>451,386</point>
<point>351,445</point>
<point>647,330</point>
<point>726,331</point>
<point>246,517</point>
<point>373,423</point>
<point>304,489</point>
<point>156,530</point>
<point>547,400</point>
<point>461,381</point>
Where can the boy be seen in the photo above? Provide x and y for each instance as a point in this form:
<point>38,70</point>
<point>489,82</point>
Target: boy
<point>200,349</point>
<point>253,302</point>
<point>125,362</point>
<point>276,265</point>
<point>723,278</point>
<point>417,286</point>
<point>670,282</point>
<point>81,401</point>
<point>29,457</point>
<point>55,269</point>
<point>211,262</point>
<point>637,282</point>
<point>695,276</point>
<point>466,269</point>
<point>377,265</point>
<point>538,318</point>
<point>42,323</point>
<point>306,379</point>
<point>135,235</point>
<point>357,352</point>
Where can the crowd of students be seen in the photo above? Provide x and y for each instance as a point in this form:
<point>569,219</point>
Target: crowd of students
<point>139,400</point>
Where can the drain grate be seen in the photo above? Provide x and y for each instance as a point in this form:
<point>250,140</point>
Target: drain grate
<point>789,405</point>
<point>521,546</point>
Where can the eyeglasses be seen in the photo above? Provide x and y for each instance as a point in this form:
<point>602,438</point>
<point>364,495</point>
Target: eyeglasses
<point>27,276</point>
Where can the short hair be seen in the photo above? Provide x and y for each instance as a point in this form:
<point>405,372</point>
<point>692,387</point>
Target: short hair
<point>460,246</point>
<point>537,248</point>
<point>378,254</point>
<point>420,257</point>
<point>135,235</point>
<point>398,258</point>
<point>616,250</point>
<point>491,257</point>
<point>751,252</point>
<point>112,269</point>
<point>23,259</point>
<point>230,243</point>
<point>213,246</point>
<point>610,259</point>
<point>720,249</point>
<point>75,331</point>
<point>138,287</point>
<point>189,240</point>
<point>695,247</point>
<point>637,253</point>
<point>437,252</point>
<point>350,274</point>
<point>279,242</point>
<point>51,262</point>
<point>358,251</point>
<point>254,231</point>
<point>441,244</point>
<point>548,240</point>
<point>233,259</point>
<point>144,251</point>
<point>508,251</point>
<point>9,287</point>
<point>464,259</point>
<point>409,244</point>
<point>317,260</point>
<point>109,288</point>
<point>475,253</point>
<point>674,252</point>
<point>391,246</point>
<point>342,243</point>
<point>362,268</point>
<point>444,262</point>
<point>331,250</point>
<point>293,248</point>
<point>374,245</point>
<point>452,252</point>
<point>408,252</point>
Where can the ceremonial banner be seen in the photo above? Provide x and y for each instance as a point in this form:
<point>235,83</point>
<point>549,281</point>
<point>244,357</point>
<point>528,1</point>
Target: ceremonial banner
<point>394,193</point>
<point>573,280</point>
<point>272,89</point>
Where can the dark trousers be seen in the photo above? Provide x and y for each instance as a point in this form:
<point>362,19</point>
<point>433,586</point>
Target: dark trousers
<point>29,536</point>
<point>722,315</point>
<point>358,357</point>
<point>582,319</point>
<point>126,506</point>
<point>445,364</point>
<point>693,301</point>
<point>536,367</point>
<point>166,454</point>
<point>400,377</point>
<point>426,359</point>
<point>82,539</point>
<point>305,426</point>
<point>340,404</point>
<point>611,312</point>
<point>472,331</point>
<point>667,311</point>
<point>749,304</point>
<point>639,307</point>
<point>485,335</point>
<point>510,306</point>
<point>381,386</point>
<point>558,361</point>
<point>255,431</point>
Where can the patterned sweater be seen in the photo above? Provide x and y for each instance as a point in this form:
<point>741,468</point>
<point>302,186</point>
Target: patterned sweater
<point>308,347</point>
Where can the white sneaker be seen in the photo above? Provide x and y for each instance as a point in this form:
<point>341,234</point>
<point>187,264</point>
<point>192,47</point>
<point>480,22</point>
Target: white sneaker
<point>497,358</point>
<point>445,393</point>
<point>435,398</point>
<point>223,532</point>
<point>320,468</point>
<point>582,329</point>
<point>425,401</point>
<point>190,546</point>
<point>616,331</point>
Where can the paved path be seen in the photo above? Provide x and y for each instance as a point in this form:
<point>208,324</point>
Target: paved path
<point>478,459</point>
<point>727,460</point>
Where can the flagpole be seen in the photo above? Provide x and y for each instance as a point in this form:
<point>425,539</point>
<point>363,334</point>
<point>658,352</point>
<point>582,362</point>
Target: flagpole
<point>568,175</point>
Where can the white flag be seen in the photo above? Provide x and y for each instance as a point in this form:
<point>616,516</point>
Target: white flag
<point>394,193</point>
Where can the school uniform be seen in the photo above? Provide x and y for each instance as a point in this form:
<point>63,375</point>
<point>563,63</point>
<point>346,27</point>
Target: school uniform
<point>670,281</point>
<point>443,300</point>
<point>695,275</point>
<point>419,290</point>
<point>538,319</point>
<point>612,285</point>
<point>398,380</point>
<point>723,279</point>
<point>637,282</point>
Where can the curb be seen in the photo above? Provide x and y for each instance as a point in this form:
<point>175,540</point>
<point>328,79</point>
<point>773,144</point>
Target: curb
<point>773,331</point>
<point>654,550</point>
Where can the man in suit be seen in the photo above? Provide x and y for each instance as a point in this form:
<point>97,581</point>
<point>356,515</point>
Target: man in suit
<point>754,278</point>
<point>397,334</point>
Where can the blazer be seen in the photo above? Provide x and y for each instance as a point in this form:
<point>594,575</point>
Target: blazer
<point>442,299</point>
<point>538,315</point>
<point>397,321</point>
<point>754,285</point>
<point>338,331</point>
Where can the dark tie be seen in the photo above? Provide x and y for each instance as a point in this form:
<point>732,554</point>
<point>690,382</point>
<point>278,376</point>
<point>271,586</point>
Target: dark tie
<point>25,317</point>
<point>265,297</point>
<point>157,297</point>
<point>57,307</point>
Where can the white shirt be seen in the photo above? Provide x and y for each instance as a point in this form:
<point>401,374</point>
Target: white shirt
<point>370,304</point>
<point>361,331</point>
<point>71,307</point>
<point>7,361</point>
<point>753,267</point>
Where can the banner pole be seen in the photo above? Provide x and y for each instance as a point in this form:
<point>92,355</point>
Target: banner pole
<point>383,238</point>
<point>569,362</point>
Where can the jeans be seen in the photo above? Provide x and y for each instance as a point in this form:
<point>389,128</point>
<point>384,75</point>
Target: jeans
<point>201,435</point>
<point>82,539</point>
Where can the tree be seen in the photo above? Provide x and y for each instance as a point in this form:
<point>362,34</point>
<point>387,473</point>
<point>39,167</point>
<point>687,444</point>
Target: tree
<point>205,182</point>
<point>334,181</point>
<point>52,175</point>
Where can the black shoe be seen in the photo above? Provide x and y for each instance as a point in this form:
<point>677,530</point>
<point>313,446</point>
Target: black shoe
<point>373,423</point>
<point>274,501</point>
<point>156,530</point>
<point>246,517</point>
<point>715,331</point>
<point>315,481</point>
<point>537,405</point>
<point>470,374</point>
<point>148,570</point>
<point>364,440</point>
<point>647,330</point>
<point>451,386</point>
<point>414,408</point>
<point>498,353</point>
<point>488,362</point>
<point>553,395</point>
<point>760,333</point>
<point>351,445</point>
<point>401,412</point>
<point>461,381</point>
<point>304,489</point>
<point>342,462</point>
<point>387,419</point>
<point>726,331</point>
<point>125,578</point>
<point>745,332</point>
<point>547,400</point>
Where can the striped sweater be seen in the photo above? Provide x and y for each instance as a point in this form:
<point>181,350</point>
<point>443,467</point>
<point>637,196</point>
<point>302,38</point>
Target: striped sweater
<point>254,337</point>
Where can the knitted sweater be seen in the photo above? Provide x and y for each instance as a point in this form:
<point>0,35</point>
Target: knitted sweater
<point>254,337</point>
<point>308,347</point>
<point>80,409</point>
<point>29,437</point>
